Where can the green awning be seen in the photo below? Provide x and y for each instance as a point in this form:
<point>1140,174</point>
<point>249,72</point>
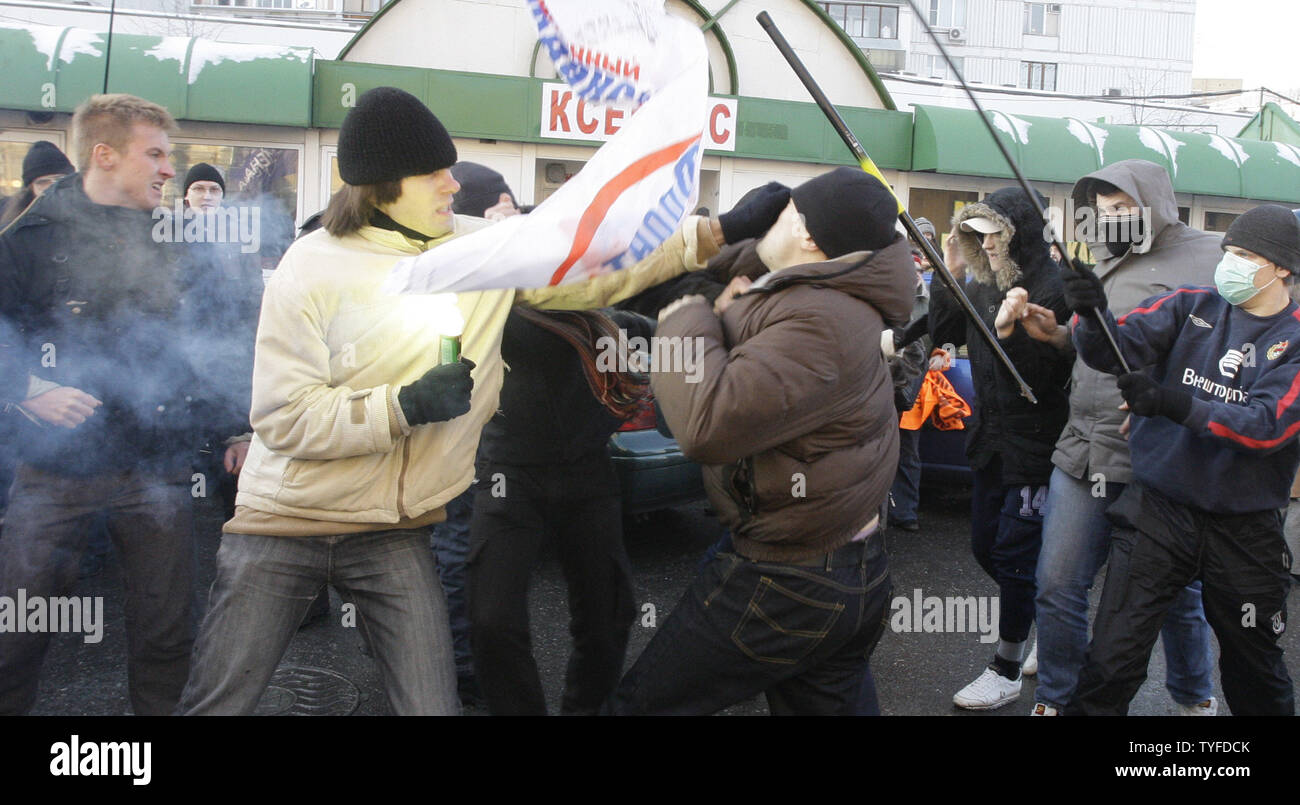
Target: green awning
<point>954,141</point>
<point>1274,124</point>
<point>509,108</point>
<point>468,104</point>
<point>49,69</point>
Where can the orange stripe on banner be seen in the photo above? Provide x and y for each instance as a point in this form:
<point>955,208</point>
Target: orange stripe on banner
<point>595,212</point>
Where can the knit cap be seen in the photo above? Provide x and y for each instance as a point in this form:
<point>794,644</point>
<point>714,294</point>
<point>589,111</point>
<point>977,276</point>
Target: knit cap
<point>847,210</point>
<point>203,172</point>
<point>480,188</point>
<point>1269,230</point>
<point>389,135</point>
<point>43,159</point>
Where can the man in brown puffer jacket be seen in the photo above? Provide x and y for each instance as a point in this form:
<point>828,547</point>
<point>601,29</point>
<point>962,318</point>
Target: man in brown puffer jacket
<point>790,410</point>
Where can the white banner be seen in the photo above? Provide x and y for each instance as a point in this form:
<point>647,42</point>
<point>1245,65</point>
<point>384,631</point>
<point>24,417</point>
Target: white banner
<point>624,55</point>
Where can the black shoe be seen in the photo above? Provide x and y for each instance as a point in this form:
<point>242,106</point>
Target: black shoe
<point>904,525</point>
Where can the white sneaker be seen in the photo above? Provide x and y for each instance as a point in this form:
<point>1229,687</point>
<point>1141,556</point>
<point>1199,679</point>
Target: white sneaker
<point>989,691</point>
<point>1208,707</point>
<point>1043,709</point>
<point>1030,666</point>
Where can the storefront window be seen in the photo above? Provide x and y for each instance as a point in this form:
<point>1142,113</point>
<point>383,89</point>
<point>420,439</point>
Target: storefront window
<point>1219,221</point>
<point>265,177</point>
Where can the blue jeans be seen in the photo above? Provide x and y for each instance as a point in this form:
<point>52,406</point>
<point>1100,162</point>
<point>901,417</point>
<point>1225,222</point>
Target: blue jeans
<point>1076,542</point>
<point>450,543</point>
<point>801,635</point>
<point>264,586</point>
<point>905,494</point>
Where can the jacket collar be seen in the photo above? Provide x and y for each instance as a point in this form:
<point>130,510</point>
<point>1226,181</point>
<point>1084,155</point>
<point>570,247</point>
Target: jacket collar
<point>66,200</point>
<point>397,241</point>
<point>884,279</point>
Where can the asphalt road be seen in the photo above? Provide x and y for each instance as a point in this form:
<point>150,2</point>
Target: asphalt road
<point>324,670</point>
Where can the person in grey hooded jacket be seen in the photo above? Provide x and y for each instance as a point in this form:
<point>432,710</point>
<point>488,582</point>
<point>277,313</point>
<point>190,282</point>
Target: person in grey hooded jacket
<point>1137,257</point>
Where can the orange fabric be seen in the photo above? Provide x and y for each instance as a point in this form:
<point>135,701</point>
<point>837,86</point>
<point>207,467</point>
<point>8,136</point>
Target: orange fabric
<point>938,402</point>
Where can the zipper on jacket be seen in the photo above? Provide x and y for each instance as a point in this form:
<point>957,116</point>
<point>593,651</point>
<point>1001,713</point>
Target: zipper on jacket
<point>401,478</point>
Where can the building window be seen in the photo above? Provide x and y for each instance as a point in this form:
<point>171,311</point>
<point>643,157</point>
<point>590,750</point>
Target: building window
<point>938,68</point>
<point>948,13</point>
<point>887,61</point>
<point>1219,221</point>
<point>1043,19</point>
<point>864,20</point>
<point>1038,75</point>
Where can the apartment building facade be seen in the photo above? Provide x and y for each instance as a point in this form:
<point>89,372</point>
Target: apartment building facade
<point>1085,47</point>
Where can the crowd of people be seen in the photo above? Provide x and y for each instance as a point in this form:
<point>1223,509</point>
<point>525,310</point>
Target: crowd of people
<point>136,370</point>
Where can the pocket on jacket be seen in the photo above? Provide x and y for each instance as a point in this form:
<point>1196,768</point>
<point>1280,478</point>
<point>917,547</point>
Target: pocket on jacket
<point>782,626</point>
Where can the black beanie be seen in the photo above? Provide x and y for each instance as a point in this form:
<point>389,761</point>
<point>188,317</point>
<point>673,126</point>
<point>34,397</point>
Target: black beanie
<point>43,159</point>
<point>203,172</point>
<point>389,135</point>
<point>480,188</point>
<point>847,210</point>
<point>1269,230</point>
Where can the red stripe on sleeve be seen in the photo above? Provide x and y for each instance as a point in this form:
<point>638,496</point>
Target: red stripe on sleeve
<point>1289,397</point>
<point>1159,302</point>
<point>1227,433</point>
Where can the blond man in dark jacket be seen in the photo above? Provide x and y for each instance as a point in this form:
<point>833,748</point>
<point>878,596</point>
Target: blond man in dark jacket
<point>793,419</point>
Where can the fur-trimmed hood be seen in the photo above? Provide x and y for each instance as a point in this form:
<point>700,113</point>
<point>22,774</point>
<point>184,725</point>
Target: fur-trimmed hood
<point>1021,241</point>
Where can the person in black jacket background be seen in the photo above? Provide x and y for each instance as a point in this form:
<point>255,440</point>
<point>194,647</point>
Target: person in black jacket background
<point>222,291</point>
<point>1009,439</point>
<point>544,474</point>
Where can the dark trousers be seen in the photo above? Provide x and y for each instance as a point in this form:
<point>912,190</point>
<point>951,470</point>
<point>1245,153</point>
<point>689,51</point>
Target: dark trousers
<point>1160,546</point>
<point>905,494</point>
<point>449,541</point>
<point>1006,536</point>
<point>507,534</point>
<point>801,635</point>
<point>150,520</point>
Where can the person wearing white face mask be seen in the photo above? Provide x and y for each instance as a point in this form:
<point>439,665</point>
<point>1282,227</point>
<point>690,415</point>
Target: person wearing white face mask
<point>1215,398</point>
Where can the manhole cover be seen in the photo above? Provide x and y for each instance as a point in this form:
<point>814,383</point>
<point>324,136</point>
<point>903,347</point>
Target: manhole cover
<point>297,690</point>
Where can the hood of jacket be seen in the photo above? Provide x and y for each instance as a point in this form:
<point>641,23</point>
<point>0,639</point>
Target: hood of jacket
<point>1150,186</point>
<point>1175,255</point>
<point>1021,242</point>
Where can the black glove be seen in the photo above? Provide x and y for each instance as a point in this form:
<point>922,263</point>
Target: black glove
<point>753,217</point>
<point>441,394</point>
<point>1083,291</point>
<point>1146,397</point>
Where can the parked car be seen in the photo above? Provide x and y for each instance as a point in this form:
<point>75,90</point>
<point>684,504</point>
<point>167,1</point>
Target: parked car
<point>652,472</point>
<point>943,452</point>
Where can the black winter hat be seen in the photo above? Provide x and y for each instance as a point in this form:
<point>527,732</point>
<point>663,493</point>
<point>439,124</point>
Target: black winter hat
<point>1269,230</point>
<point>480,188</point>
<point>847,210</point>
<point>203,172</point>
<point>389,135</point>
<point>44,158</point>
